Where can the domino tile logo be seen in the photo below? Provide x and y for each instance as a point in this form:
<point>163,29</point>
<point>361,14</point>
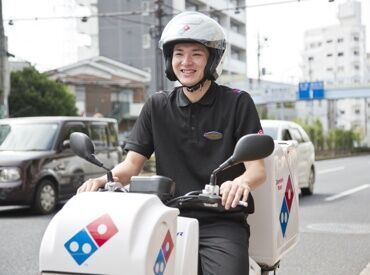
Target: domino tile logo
<point>87,241</point>
<point>286,206</point>
<point>163,255</point>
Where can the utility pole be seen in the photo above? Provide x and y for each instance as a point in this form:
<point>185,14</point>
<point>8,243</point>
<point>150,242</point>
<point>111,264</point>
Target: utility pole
<point>259,48</point>
<point>4,74</point>
<point>157,36</point>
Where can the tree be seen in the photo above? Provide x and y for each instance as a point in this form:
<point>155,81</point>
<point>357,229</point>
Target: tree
<point>33,94</point>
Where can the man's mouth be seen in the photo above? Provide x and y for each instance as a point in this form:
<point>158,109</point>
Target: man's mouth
<point>186,71</point>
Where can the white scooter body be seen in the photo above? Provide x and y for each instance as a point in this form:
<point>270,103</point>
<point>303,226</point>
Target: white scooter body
<point>106,236</point>
<point>131,233</point>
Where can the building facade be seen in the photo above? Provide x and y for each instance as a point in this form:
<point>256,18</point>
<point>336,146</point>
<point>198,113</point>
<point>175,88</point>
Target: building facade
<point>337,54</point>
<point>105,87</point>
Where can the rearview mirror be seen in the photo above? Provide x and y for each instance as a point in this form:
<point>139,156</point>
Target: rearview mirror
<point>249,147</point>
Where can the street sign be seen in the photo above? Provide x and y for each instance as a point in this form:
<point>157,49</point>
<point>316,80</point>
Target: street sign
<point>311,90</point>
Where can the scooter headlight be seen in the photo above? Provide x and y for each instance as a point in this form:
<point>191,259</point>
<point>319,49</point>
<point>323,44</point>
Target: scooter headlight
<point>8,174</point>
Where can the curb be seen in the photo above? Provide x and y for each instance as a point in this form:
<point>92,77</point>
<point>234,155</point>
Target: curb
<point>366,271</point>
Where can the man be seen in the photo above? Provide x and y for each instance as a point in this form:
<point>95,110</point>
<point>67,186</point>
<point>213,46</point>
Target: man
<point>194,129</point>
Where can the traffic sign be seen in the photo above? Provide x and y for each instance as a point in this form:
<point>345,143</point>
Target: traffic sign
<point>311,90</point>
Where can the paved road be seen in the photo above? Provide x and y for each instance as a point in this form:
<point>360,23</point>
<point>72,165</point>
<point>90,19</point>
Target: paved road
<point>335,222</point>
<point>334,239</point>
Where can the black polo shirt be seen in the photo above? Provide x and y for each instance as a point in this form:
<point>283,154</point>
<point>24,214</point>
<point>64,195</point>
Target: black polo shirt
<point>190,140</point>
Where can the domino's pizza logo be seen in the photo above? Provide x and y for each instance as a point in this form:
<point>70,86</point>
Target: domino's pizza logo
<point>163,255</point>
<point>286,206</point>
<point>87,241</point>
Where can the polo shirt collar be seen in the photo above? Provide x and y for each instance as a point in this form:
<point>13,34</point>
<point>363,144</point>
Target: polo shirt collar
<point>206,100</point>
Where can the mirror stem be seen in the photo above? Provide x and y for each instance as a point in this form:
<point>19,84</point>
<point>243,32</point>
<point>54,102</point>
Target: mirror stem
<point>109,175</point>
<point>213,178</point>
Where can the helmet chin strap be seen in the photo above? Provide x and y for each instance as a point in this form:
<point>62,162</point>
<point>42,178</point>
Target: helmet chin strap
<point>195,87</point>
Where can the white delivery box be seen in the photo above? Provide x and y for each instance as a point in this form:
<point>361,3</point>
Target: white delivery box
<point>274,224</point>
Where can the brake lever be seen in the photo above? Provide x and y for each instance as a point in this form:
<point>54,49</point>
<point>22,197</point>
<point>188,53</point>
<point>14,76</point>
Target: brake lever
<point>212,199</point>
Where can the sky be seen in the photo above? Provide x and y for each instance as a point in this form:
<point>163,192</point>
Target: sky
<point>284,26</point>
<point>43,42</point>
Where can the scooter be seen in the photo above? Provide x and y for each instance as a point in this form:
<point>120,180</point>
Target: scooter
<point>138,230</point>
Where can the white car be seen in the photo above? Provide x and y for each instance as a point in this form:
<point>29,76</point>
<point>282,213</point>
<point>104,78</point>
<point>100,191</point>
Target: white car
<point>287,130</point>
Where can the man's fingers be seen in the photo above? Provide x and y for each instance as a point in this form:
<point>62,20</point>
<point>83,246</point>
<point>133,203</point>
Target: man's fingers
<point>224,190</point>
<point>89,186</point>
<point>231,195</point>
<point>238,195</point>
<point>245,194</point>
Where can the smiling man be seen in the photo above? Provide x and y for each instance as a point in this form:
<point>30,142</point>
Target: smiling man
<point>192,130</point>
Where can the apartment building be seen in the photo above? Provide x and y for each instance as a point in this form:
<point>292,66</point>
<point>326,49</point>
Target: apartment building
<point>337,54</point>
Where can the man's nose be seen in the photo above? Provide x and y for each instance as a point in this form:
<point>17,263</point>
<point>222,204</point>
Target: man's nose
<point>187,59</point>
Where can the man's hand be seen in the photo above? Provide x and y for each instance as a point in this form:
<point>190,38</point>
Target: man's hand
<point>92,185</point>
<point>234,191</point>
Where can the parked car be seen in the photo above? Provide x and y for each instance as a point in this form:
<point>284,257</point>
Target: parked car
<point>37,167</point>
<point>287,130</point>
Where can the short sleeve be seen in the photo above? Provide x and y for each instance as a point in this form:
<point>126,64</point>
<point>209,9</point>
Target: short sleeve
<point>141,136</point>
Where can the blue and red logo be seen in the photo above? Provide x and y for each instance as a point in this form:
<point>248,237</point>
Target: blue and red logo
<point>87,241</point>
<point>163,255</point>
<point>286,206</point>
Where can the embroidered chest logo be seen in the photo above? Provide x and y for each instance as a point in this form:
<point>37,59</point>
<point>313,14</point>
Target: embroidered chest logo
<point>213,135</point>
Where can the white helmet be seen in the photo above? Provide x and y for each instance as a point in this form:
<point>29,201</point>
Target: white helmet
<point>191,26</point>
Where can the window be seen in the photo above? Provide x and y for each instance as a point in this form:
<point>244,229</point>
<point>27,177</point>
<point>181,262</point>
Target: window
<point>329,41</point>
<point>340,40</point>
<point>356,38</point>
<point>99,135</point>
<point>355,52</point>
<point>329,69</point>
<point>310,58</point>
<point>145,6</point>
<point>191,6</point>
<point>236,53</point>
<point>356,67</point>
<point>73,127</point>
<point>329,55</point>
<point>296,134</point>
<point>340,54</point>
<point>286,135</point>
<point>113,136</point>
<point>146,41</point>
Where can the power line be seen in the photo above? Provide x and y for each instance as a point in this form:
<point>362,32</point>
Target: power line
<point>133,13</point>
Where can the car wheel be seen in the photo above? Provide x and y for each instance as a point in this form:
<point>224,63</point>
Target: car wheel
<point>45,197</point>
<point>308,191</point>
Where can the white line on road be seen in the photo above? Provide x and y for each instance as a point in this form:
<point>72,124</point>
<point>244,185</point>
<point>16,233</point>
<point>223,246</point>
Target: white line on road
<point>330,170</point>
<point>348,192</point>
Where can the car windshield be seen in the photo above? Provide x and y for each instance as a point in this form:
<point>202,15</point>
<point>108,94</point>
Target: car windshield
<point>27,137</point>
<point>270,131</point>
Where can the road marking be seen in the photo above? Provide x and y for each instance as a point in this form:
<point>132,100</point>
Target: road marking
<point>337,228</point>
<point>330,170</point>
<point>348,192</point>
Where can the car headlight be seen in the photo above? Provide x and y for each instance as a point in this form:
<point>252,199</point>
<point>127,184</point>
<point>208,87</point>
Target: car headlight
<point>9,174</point>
